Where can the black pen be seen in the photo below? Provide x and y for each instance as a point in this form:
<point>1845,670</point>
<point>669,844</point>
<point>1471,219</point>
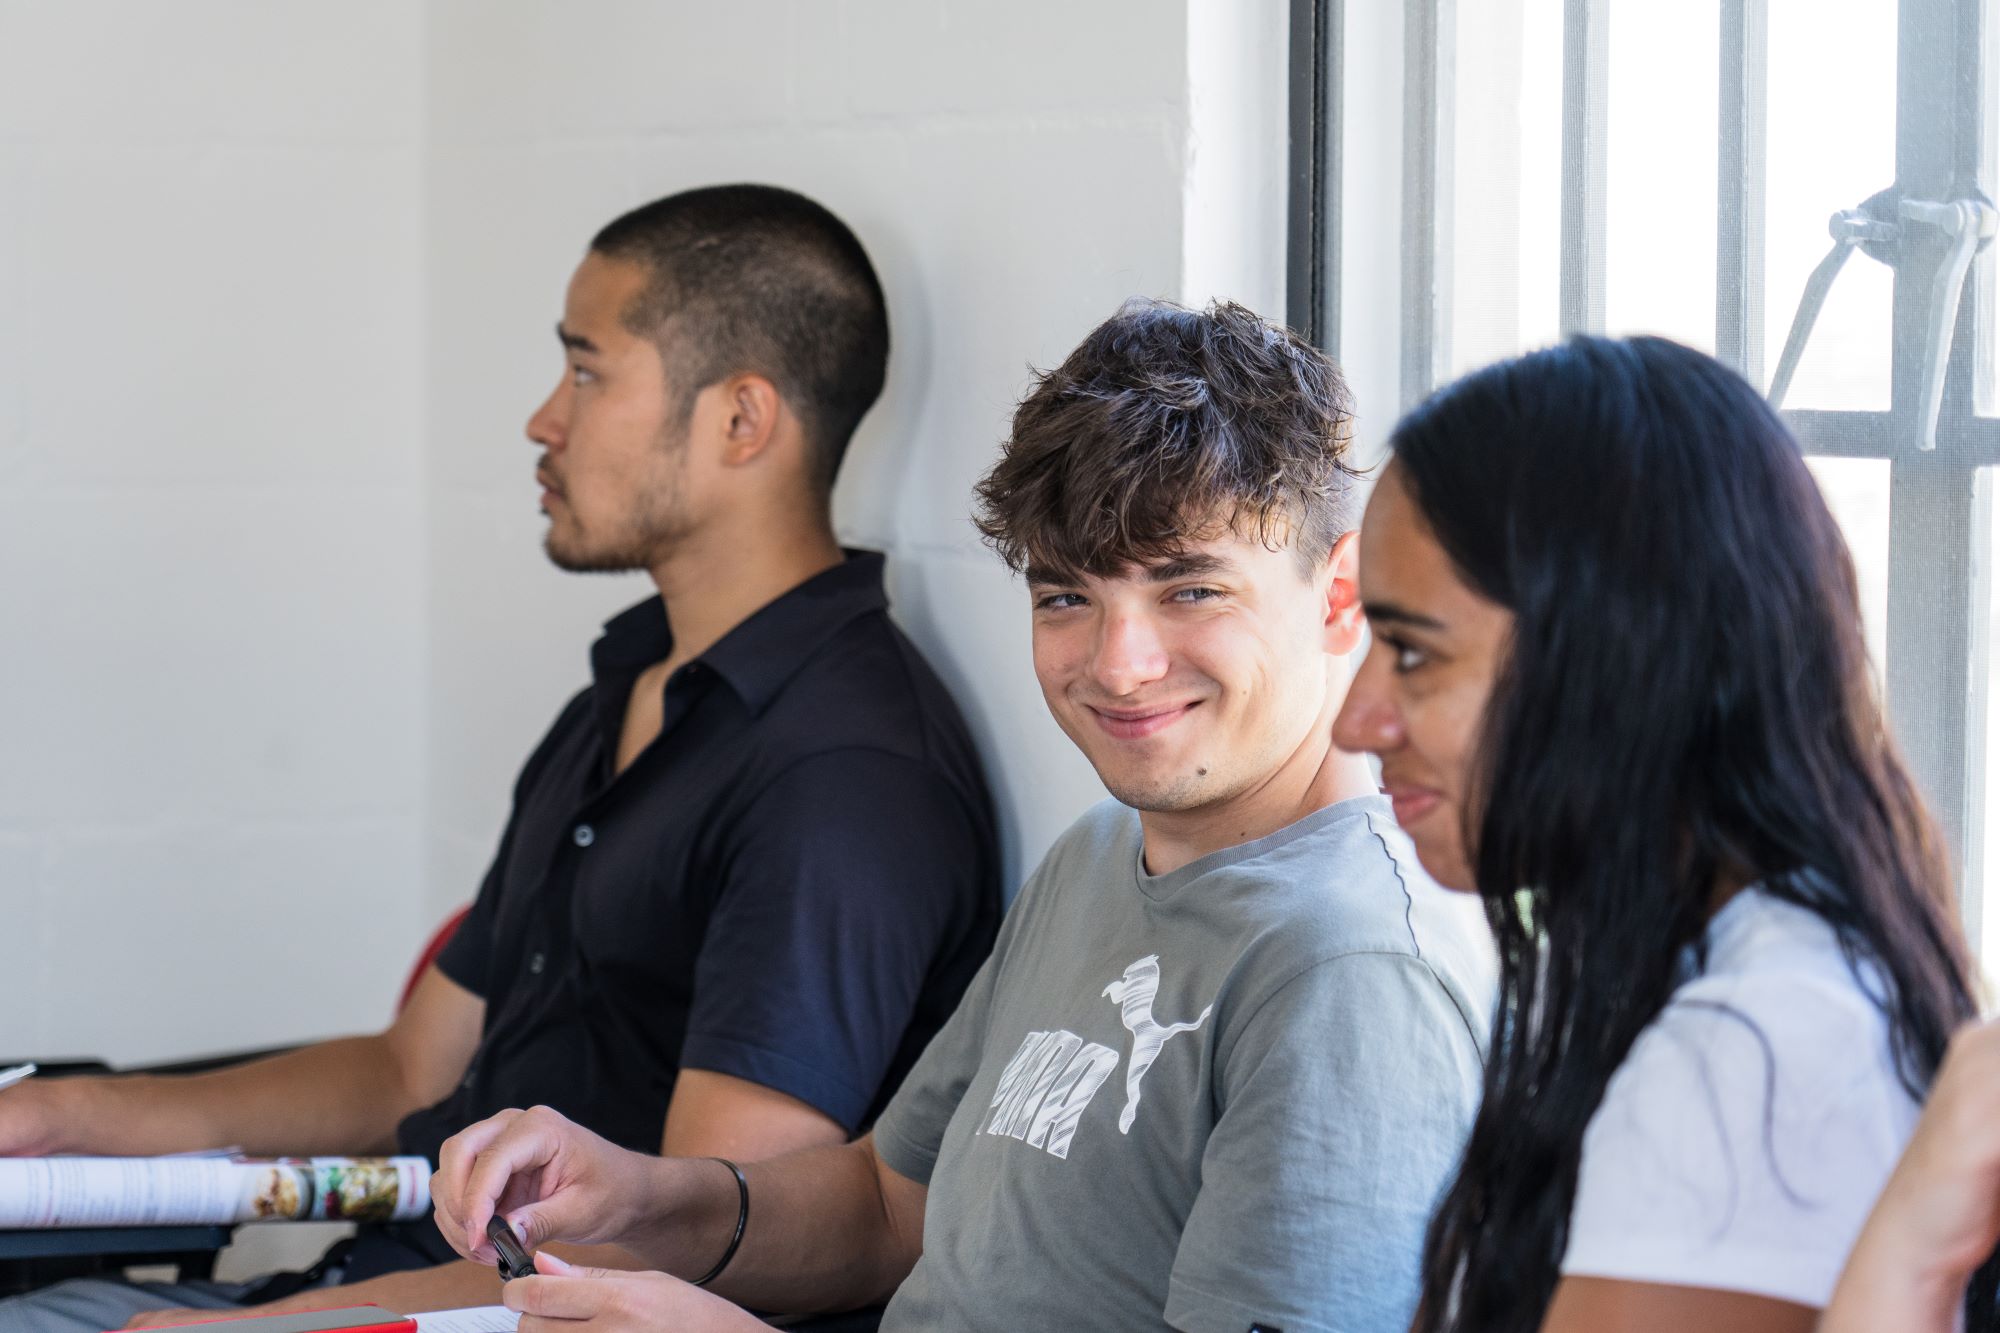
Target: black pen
<point>514,1261</point>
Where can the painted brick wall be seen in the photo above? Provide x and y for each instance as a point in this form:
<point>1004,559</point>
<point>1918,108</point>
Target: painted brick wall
<point>1015,170</point>
<point>211,754</point>
<point>276,285</point>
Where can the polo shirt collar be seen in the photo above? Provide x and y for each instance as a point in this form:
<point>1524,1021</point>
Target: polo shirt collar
<point>763,653</point>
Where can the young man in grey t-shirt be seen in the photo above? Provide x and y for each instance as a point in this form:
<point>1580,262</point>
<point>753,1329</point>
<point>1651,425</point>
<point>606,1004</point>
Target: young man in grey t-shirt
<point>1221,1061</point>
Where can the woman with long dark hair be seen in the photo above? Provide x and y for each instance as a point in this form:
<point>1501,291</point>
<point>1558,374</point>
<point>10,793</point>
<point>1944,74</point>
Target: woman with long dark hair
<point>1618,687</point>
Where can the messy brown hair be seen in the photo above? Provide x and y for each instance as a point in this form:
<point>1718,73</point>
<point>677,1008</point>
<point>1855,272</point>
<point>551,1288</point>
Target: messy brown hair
<point>1166,427</point>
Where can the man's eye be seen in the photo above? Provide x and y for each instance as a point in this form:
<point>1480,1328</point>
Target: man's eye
<point>1058,601</point>
<point>580,377</point>
<point>1197,594</point>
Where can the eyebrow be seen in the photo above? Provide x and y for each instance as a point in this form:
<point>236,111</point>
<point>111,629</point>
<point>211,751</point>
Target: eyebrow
<point>1388,613</point>
<point>576,342</point>
<point>1192,566</point>
<point>1047,576</point>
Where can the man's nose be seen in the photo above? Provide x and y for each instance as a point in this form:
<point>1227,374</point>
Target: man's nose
<point>548,426</point>
<point>1130,654</point>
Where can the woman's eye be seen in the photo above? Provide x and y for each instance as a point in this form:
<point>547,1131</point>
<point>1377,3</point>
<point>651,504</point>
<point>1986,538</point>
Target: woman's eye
<point>1404,657</point>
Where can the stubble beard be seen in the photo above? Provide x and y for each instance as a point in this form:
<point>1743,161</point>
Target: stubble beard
<point>641,548</point>
<point>1167,793</point>
<point>656,524</point>
<point>1162,796</point>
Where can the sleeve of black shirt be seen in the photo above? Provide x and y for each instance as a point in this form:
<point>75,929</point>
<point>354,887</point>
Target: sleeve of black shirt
<point>843,883</point>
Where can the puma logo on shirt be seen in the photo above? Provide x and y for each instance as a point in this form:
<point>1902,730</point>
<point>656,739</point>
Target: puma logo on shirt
<point>1045,1088</point>
<point>1133,994</point>
<point>1049,1083</point>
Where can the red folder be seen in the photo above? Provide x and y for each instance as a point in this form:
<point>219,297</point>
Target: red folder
<point>351,1319</point>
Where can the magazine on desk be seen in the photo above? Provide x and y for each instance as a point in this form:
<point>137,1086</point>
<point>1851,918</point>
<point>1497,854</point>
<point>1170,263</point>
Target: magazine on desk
<point>49,1192</point>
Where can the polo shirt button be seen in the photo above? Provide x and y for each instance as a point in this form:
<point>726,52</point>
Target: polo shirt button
<point>536,963</point>
<point>584,835</point>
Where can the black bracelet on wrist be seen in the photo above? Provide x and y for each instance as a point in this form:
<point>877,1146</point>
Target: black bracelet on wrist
<point>742,1220</point>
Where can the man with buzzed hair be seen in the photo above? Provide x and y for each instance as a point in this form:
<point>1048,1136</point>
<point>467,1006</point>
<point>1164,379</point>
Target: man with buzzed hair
<point>750,868</point>
<point>737,281</point>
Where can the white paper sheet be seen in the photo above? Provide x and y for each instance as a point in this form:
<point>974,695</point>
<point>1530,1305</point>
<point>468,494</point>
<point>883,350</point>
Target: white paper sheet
<point>485,1319</point>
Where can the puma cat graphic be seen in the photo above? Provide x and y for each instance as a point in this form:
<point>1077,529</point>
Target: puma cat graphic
<point>1133,994</point>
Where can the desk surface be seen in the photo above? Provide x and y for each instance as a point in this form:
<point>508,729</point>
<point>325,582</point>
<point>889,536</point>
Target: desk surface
<point>68,1242</point>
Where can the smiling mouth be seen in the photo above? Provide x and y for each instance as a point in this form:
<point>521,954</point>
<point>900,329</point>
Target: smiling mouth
<point>1128,724</point>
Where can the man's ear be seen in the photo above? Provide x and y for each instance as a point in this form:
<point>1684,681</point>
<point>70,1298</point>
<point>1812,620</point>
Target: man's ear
<point>1344,621</point>
<point>753,409</point>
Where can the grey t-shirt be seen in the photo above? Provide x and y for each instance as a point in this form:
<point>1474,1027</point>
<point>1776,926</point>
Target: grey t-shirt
<point>1222,1097</point>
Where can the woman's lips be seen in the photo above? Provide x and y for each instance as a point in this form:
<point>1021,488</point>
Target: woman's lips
<point>1411,803</point>
<point>1132,724</point>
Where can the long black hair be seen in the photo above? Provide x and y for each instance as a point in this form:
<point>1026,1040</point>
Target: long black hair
<point>1686,702</point>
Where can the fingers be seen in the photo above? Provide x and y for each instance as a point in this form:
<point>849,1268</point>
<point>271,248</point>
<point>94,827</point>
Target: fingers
<point>502,1168</point>
<point>524,1166</point>
<point>566,1298</point>
<point>462,1224</point>
<point>449,1225</point>
<point>558,1267</point>
<point>549,1296</point>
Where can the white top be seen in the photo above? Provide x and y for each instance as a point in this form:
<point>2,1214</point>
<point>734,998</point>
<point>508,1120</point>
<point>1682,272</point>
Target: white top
<point>1743,1141</point>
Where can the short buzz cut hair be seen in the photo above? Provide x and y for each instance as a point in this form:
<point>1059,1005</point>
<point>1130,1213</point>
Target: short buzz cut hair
<point>761,279</point>
<point>1165,427</point>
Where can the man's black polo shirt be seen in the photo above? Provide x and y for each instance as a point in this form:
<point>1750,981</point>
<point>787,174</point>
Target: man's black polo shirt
<point>792,885</point>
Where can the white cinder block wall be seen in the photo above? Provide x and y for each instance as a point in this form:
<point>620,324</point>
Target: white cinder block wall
<point>1015,170</point>
<point>211,516</point>
<point>276,295</point>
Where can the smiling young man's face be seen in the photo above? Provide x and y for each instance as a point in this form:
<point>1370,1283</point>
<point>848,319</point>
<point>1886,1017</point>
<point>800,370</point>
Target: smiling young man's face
<point>1418,700</point>
<point>1191,682</point>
